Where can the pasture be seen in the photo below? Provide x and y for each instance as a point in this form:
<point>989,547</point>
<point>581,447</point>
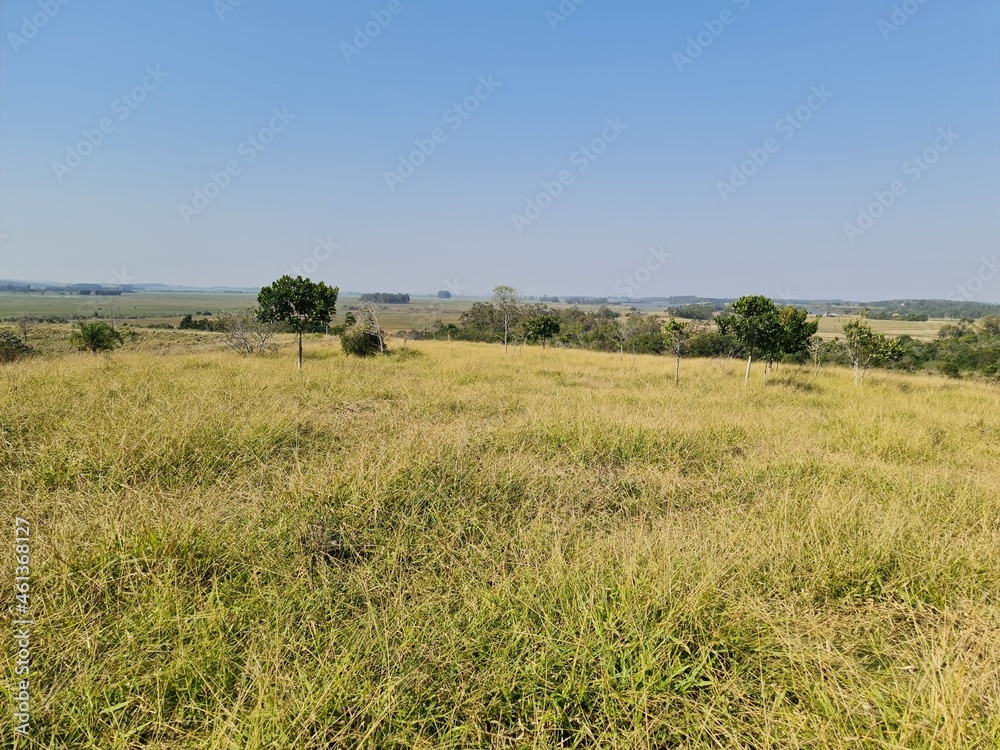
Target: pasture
<point>450,547</point>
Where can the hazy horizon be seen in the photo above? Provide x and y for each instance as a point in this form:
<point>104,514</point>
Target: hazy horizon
<point>726,147</point>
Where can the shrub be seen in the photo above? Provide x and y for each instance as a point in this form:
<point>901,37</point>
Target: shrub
<point>364,338</point>
<point>362,341</point>
<point>12,348</point>
<point>96,337</point>
<point>951,369</point>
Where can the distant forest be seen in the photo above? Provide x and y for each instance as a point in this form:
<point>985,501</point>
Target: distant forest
<point>386,298</point>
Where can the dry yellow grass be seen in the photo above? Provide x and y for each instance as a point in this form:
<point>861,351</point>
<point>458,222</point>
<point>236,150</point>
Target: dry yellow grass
<point>458,548</point>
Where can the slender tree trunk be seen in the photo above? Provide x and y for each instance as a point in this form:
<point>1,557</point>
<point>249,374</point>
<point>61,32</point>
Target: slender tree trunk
<point>300,350</point>
<point>677,371</point>
<point>746,380</point>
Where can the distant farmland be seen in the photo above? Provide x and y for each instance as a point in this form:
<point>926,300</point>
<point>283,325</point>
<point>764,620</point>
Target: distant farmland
<point>421,313</point>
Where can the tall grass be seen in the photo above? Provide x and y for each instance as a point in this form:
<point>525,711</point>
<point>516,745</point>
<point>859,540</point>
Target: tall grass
<point>456,548</point>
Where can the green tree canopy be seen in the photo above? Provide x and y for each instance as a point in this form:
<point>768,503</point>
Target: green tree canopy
<point>300,303</point>
<point>755,323</point>
<point>541,328</point>
<point>796,330</point>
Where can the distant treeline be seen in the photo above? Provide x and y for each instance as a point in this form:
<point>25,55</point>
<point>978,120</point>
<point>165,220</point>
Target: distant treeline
<point>910,309</point>
<point>696,311</point>
<point>386,298</point>
<point>894,309</point>
<point>909,315</point>
<point>963,347</point>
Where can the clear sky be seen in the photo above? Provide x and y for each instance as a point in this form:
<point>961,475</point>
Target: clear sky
<point>746,145</point>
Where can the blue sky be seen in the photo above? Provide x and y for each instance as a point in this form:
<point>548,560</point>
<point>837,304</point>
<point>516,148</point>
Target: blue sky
<point>692,113</point>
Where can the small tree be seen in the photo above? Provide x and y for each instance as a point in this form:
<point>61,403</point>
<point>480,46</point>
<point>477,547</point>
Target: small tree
<point>24,327</point>
<point>244,332</point>
<point>507,302</point>
<point>299,302</point>
<point>865,348</point>
<point>96,337</point>
<point>622,333</point>
<point>818,347</point>
<point>444,294</point>
<point>991,325</point>
<point>541,328</point>
<point>756,325</point>
<point>676,333</point>
<point>796,330</point>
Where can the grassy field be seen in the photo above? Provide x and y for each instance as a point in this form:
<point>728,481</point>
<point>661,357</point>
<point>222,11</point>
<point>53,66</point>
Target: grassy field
<point>169,307</point>
<point>922,331</point>
<point>128,306</point>
<point>451,547</point>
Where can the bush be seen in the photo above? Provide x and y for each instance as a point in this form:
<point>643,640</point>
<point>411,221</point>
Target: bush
<point>710,344</point>
<point>364,338</point>
<point>359,341</point>
<point>188,323</point>
<point>95,337</point>
<point>12,348</point>
<point>951,369</point>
